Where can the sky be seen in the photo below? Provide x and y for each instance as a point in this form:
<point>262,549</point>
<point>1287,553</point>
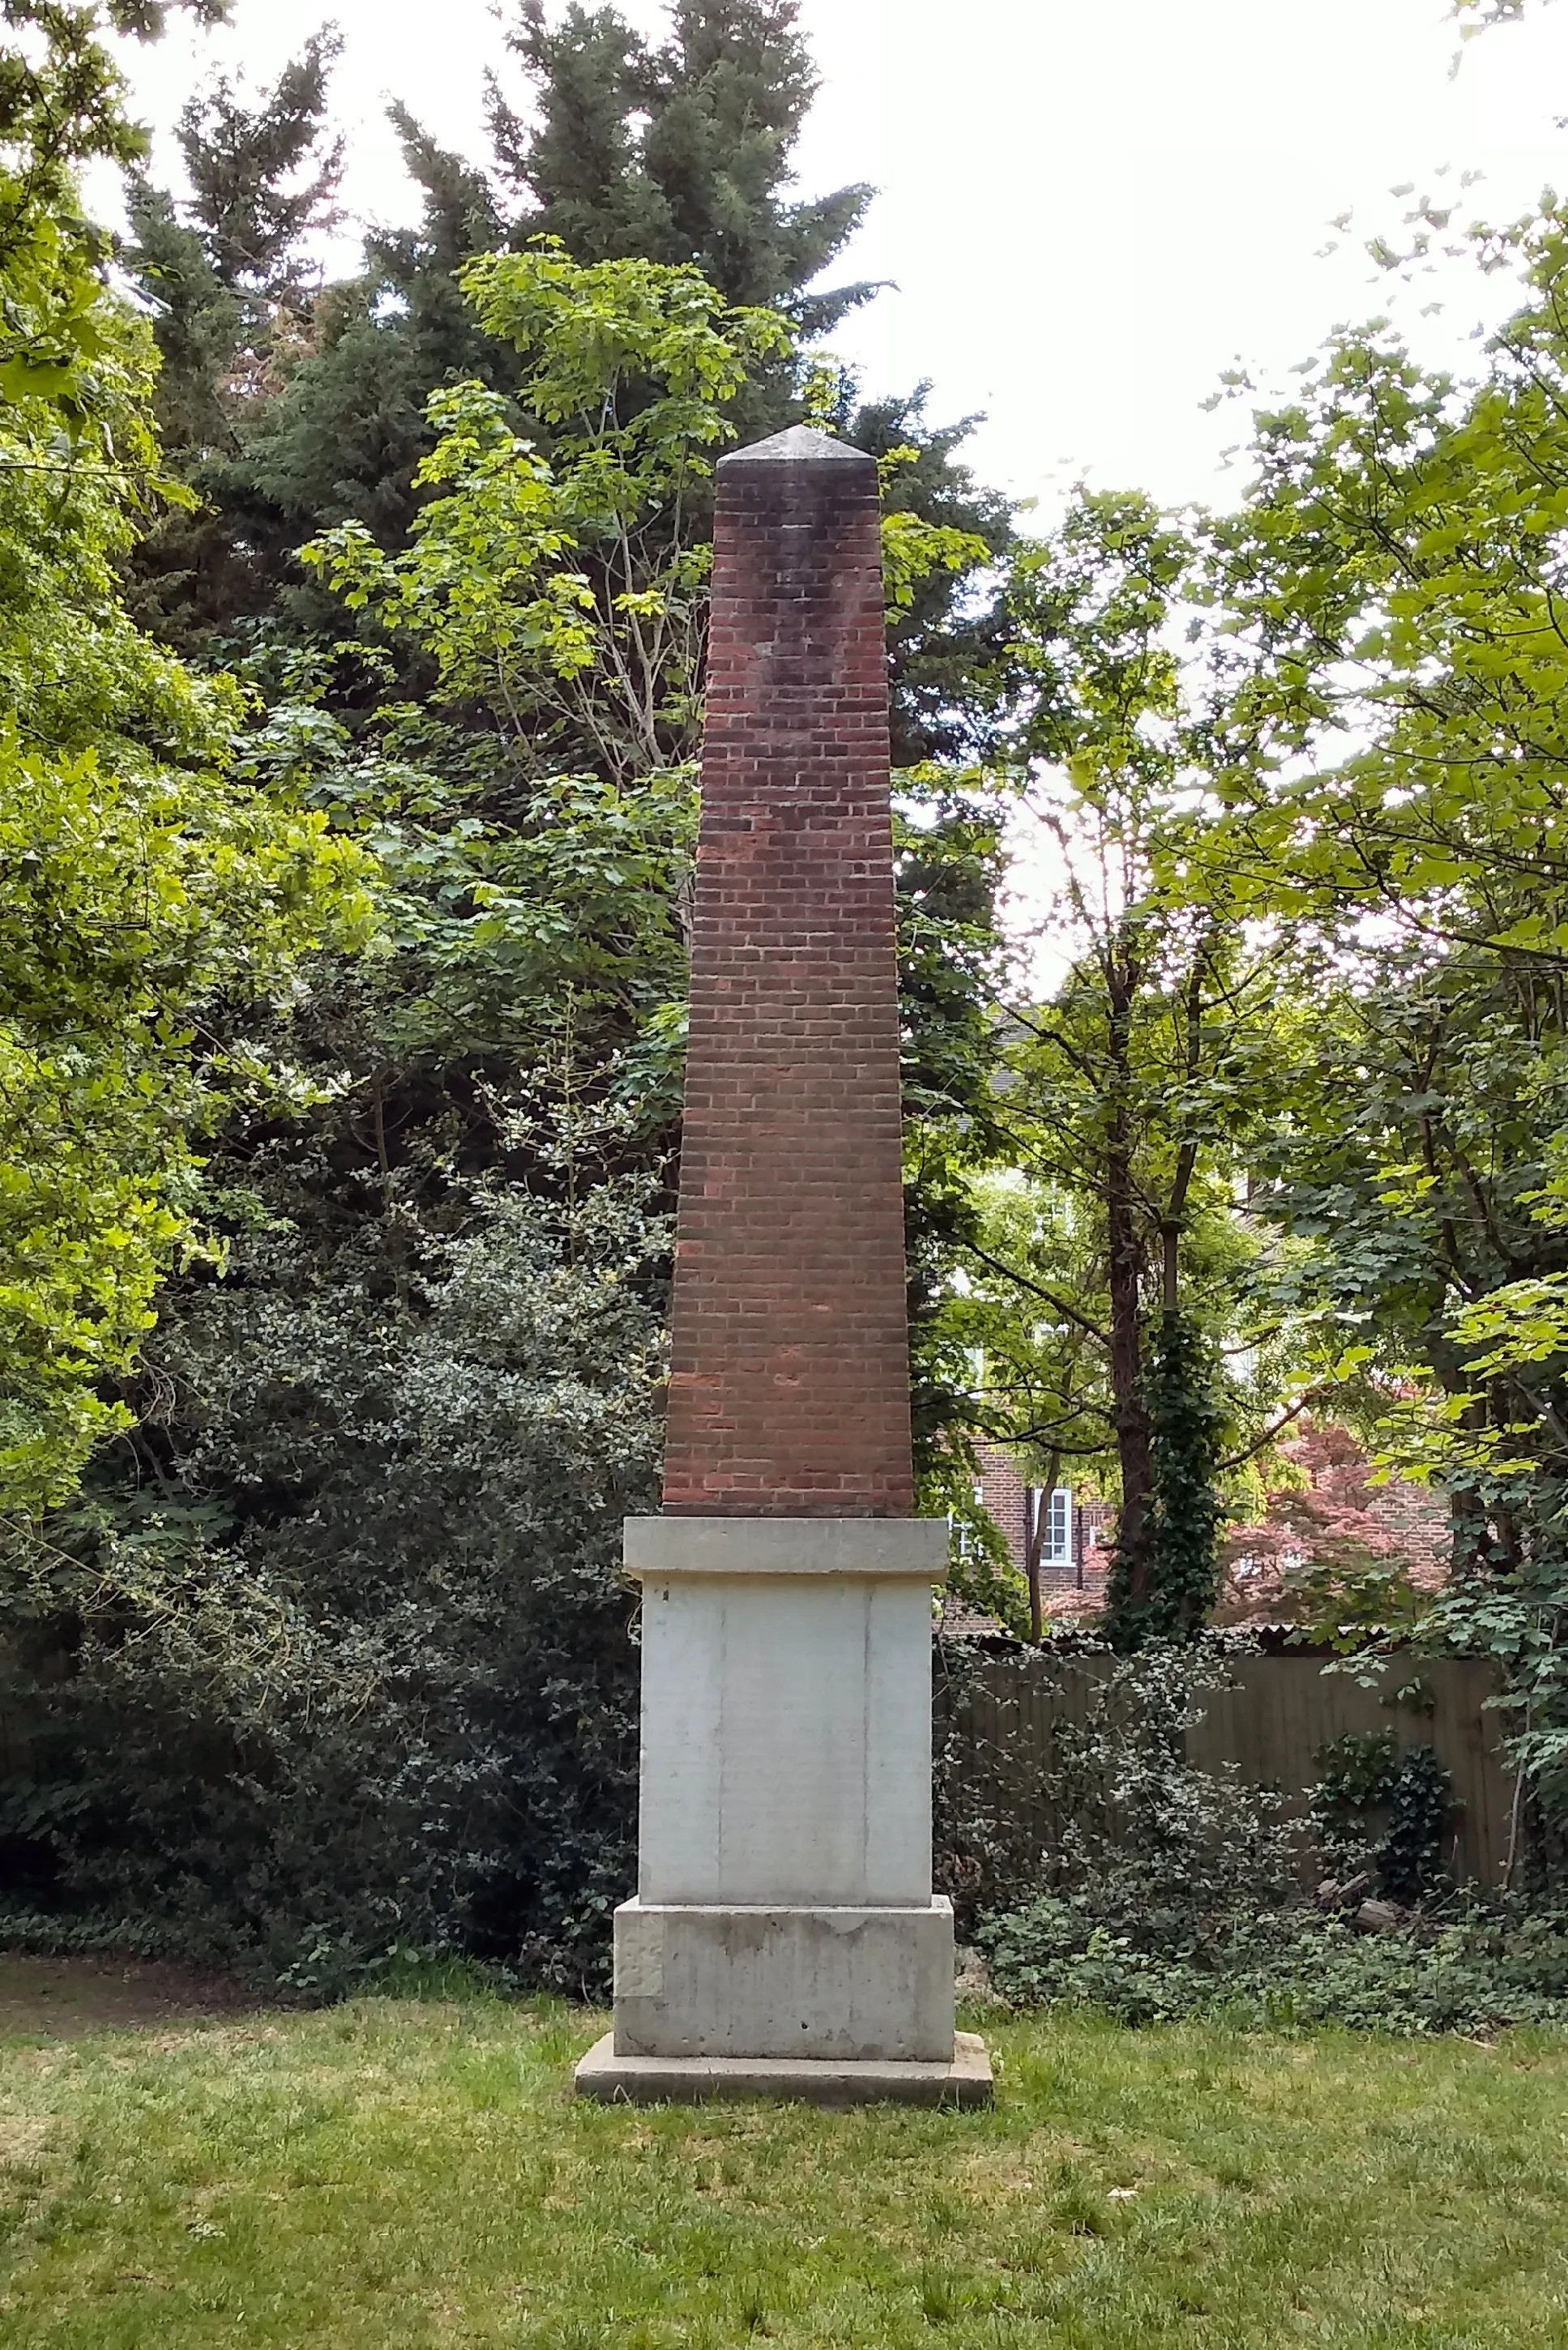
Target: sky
<point>1088,209</point>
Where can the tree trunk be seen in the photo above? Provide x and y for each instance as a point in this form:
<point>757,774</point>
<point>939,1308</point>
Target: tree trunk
<point>1129,1410</point>
<point>1126,1269</point>
<point>1036,1517</point>
<point>1035,1505</point>
<point>1187,1157</point>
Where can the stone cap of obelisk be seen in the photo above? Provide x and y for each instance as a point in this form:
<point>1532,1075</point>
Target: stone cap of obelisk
<point>789,1393</point>
<point>800,445</point>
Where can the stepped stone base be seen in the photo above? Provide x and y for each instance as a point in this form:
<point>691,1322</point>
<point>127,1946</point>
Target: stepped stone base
<point>964,2080</point>
<point>835,1984</point>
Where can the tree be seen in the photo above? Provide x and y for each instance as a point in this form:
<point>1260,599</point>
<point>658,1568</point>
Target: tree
<point>1368,740</point>
<point>62,104</point>
<point>333,427</point>
<point>463,799</point>
<point>1132,1093</point>
<point>144,875</point>
<point>566,594</point>
<point>1395,658</point>
<point>1320,1555</point>
<point>314,412</point>
<point>227,285</point>
<point>1392,576</point>
<point>250,210</point>
<point>677,151</point>
<point>1186,1425</point>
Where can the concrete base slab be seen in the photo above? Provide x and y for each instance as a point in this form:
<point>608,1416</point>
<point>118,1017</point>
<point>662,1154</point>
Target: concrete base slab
<point>612,2080</point>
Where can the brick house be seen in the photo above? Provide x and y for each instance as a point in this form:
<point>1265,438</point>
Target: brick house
<point>1075,1551</point>
<point>1080,1530</point>
<point>1417,1516</point>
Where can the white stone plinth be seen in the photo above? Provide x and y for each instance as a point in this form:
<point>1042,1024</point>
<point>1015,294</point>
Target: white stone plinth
<point>783,1915</point>
<point>786,1740</point>
<point>855,1985</point>
<point>913,1548</point>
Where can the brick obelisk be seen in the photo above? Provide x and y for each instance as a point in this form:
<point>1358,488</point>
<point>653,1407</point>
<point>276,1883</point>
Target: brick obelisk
<point>784,1938</point>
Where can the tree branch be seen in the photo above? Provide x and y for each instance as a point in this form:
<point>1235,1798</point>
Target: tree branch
<point>1240,1460</point>
<point>1059,1304</point>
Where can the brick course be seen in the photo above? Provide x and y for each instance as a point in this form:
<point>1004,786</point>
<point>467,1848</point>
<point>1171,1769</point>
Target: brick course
<point>789,1392</point>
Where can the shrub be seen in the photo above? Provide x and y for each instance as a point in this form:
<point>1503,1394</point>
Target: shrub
<point>1154,1890</point>
<point>1383,1813</point>
<point>1486,1968</point>
<point>1133,1827</point>
<point>365,1677</point>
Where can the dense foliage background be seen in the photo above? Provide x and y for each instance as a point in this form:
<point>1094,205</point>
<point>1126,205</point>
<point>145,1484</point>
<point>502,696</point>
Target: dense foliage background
<point>351,643</point>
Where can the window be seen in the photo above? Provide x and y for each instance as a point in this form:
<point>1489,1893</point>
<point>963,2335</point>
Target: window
<point>1056,1541</point>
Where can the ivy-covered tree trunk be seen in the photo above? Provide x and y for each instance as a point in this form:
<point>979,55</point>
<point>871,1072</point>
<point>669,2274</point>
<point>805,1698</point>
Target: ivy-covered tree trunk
<point>1182,1522</point>
<point>1126,1255</point>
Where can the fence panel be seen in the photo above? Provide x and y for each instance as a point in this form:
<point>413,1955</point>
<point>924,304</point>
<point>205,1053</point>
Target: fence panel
<point>1272,1722</point>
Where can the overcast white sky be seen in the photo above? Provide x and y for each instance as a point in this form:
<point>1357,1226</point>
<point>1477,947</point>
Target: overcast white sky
<point>1089,207</point>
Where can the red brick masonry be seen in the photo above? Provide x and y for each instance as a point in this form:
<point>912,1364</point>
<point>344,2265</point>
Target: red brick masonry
<point>789,1392</point>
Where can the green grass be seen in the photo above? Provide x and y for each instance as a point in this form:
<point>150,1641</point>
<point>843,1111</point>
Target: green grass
<point>394,2174</point>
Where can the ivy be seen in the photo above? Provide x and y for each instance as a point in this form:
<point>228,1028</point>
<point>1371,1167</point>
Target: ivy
<point>1186,1508</point>
<point>1376,1808</point>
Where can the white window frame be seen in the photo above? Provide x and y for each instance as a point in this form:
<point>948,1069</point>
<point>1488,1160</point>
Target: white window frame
<point>1056,1541</point>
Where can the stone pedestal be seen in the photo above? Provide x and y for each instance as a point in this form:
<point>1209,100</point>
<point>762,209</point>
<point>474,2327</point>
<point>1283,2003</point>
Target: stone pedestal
<point>786,1710</point>
<point>784,1912</point>
<point>748,1981</point>
<point>612,2080</point>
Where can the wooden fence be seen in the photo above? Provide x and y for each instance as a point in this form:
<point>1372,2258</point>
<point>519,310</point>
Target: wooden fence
<point>1271,1722</point>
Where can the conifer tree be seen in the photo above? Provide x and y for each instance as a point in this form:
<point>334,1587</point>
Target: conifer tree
<point>678,151</point>
<point>293,413</point>
<point>228,268</point>
<point>681,150</point>
<point>346,435</point>
<point>244,163</point>
<point>227,277</point>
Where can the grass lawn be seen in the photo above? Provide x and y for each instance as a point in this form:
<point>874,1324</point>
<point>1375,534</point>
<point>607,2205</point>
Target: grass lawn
<point>394,2174</point>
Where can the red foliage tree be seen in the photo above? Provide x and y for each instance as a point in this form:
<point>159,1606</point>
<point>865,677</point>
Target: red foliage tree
<point>1324,1555</point>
